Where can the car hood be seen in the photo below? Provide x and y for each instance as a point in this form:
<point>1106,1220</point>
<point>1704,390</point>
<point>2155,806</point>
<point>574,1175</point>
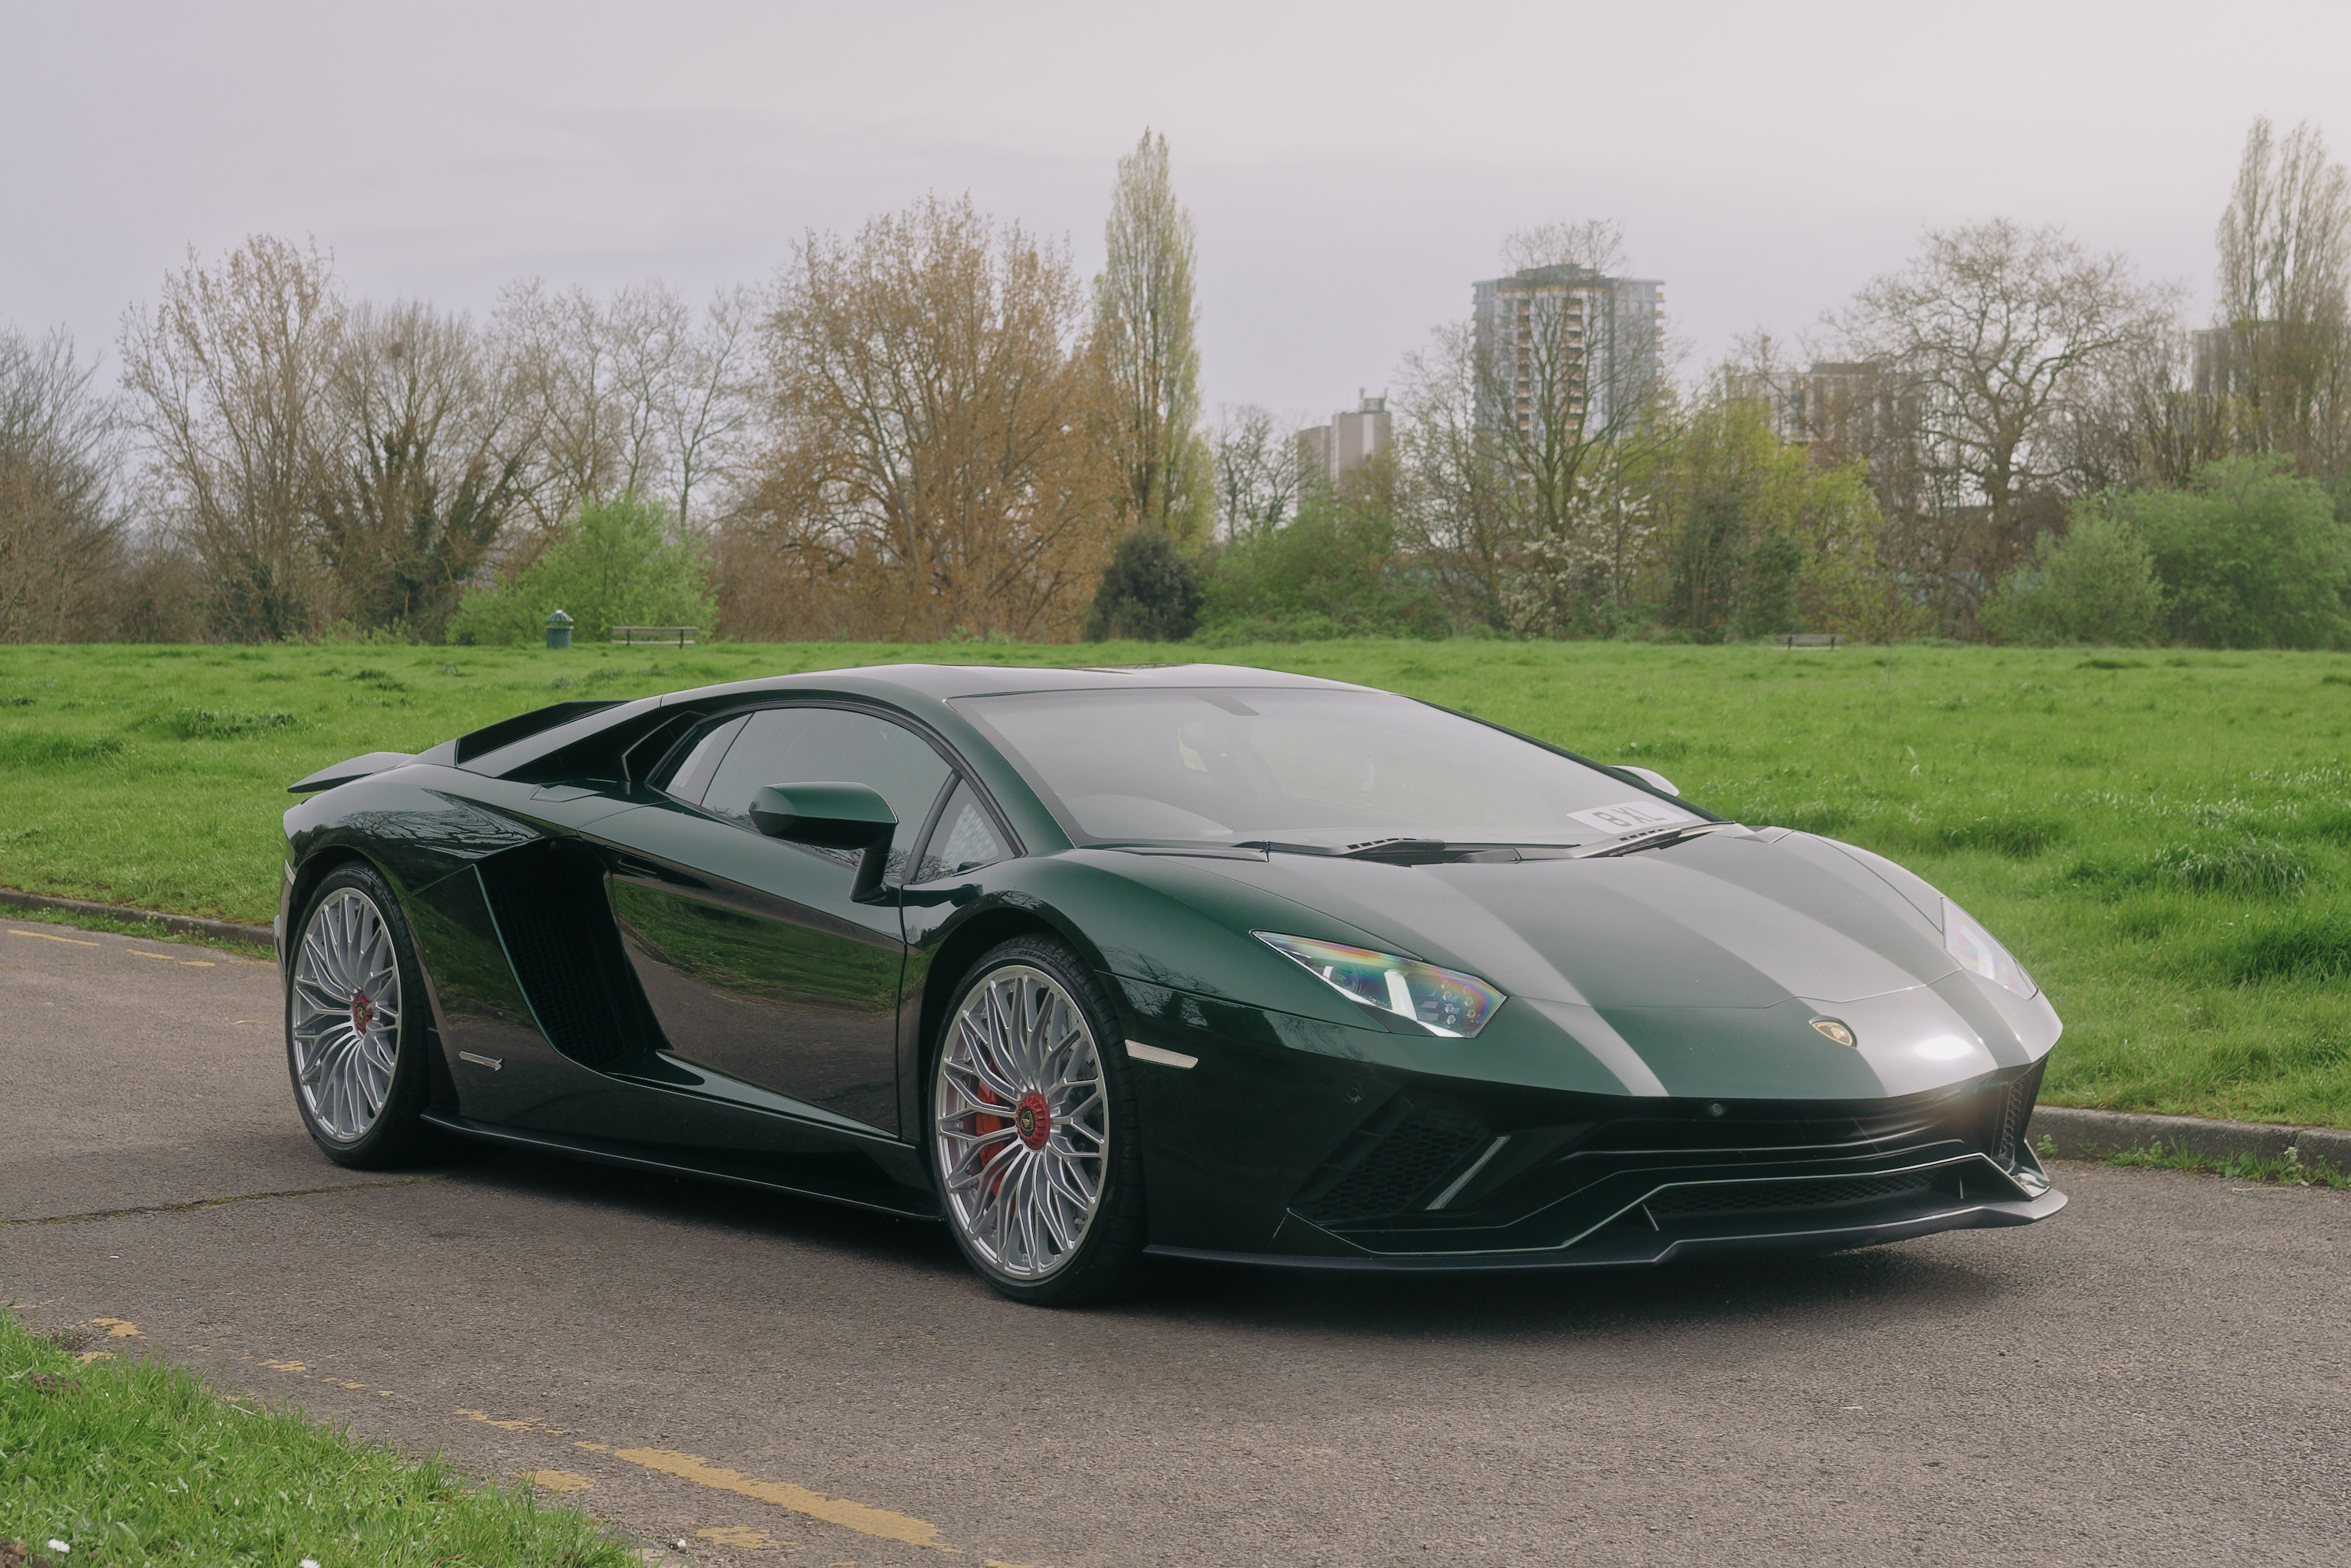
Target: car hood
<point>1675,967</point>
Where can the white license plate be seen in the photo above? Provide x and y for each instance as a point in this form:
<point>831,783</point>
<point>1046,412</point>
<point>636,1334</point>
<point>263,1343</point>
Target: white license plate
<point>1634,816</point>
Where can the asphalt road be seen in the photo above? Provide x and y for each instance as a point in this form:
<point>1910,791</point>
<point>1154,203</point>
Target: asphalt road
<point>2160,1375</point>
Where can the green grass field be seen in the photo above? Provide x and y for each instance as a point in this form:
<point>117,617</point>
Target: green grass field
<point>2163,838</point>
<point>130,1462</point>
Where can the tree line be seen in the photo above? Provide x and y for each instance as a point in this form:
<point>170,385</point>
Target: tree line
<point>936,428</point>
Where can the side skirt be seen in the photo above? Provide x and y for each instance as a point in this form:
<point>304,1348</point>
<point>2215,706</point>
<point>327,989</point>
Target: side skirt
<point>911,1205</point>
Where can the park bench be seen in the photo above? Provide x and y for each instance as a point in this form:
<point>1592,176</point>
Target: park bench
<point>1794,639</point>
<point>654,636</point>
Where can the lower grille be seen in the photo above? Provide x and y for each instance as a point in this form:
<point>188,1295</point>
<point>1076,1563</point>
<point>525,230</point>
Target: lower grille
<point>1774,1197</point>
<point>1392,1161</point>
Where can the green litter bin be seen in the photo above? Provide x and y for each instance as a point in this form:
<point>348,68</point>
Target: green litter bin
<point>559,630</point>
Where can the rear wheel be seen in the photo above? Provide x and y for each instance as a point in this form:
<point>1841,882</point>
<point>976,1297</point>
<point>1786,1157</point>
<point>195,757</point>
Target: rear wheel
<point>1033,1129</point>
<point>356,1030</point>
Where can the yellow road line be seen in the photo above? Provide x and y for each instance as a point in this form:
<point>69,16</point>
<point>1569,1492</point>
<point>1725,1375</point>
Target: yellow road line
<point>875,1522</point>
<point>741,1537</point>
<point>866,1519</point>
<point>485,1418</point>
<point>77,941</point>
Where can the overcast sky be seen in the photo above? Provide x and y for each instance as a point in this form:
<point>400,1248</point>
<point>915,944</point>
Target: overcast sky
<point>1353,167</point>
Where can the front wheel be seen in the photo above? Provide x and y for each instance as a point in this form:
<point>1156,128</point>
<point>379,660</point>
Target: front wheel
<point>356,1030</point>
<point>1033,1129</point>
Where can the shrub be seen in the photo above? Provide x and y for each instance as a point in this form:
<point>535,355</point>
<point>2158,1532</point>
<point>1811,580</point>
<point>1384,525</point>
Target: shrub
<point>1149,592</point>
<point>2094,583</point>
<point>1333,571</point>
<point>2250,556</point>
<point>620,564</point>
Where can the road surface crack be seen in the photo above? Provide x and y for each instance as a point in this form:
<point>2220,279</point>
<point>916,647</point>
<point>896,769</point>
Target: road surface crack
<point>210,1202</point>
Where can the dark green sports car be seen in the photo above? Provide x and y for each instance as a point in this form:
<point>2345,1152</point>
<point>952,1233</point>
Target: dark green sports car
<point>1194,962</point>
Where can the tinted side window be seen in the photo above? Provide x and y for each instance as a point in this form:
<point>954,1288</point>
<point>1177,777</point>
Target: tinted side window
<point>964,839</point>
<point>814,745</point>
<point>692,775</point>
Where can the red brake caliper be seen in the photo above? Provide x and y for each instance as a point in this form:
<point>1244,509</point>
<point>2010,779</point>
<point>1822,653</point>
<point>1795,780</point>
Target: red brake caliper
<point>984,1125</point>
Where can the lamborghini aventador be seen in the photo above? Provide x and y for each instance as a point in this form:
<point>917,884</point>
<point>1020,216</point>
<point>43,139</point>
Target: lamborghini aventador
<point>1099,966</point>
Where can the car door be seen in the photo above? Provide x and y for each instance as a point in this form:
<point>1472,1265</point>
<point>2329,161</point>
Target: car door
<point>755,959</point>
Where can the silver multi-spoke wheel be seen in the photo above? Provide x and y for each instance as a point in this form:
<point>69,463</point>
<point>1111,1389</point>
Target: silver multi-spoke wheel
<point>344,1020</point>
<point>1021,1121</point>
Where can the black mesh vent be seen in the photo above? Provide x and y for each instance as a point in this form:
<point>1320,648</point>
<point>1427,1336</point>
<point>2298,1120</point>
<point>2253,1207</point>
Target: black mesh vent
<point>2015,1114</point>
<point>1392,1161</point>
<point>548,901</point>
<point>1765,1197</point>
<point>1689,1126</point>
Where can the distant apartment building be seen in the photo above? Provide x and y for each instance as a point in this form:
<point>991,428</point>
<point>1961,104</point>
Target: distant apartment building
<point>1570,343</point>
<point>1349,441</point>
<point>1846,406</point>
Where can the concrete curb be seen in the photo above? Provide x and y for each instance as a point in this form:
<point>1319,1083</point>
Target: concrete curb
<point>2081,1134</point>
<point>179,925</point>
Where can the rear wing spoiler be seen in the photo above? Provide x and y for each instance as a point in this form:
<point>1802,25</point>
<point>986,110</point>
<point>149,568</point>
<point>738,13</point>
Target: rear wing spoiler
<point>344,772</point>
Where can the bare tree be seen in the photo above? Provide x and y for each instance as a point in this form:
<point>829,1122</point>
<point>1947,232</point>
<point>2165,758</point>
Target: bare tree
<point>1995,337</point>
<point>61,537</point>
<point>935,465</point>
<point>1257,471</point>
<point>2148,416</point>
<point>705,410</point>
<point>635,393</point>
<point>231,382</point>
<point>1145,322</point>
<point>2281,351</point>
<point>1459,501</point>
<point>1567,361</point>
<point>426,465</point>
<point>576,434</point>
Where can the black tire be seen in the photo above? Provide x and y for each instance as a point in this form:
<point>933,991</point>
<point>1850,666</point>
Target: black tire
<point>1107,1259</point>
<point>395,1133</point>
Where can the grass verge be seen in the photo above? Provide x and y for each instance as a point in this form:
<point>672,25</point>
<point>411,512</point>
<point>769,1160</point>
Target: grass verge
<point>145,930</point>
<point>133,1462</point>
<point>2164,838</point>
<point>2288,1169</point>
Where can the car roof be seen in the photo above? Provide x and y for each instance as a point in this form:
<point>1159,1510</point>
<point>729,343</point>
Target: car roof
<point>946,681</point>
<point>925,690</point>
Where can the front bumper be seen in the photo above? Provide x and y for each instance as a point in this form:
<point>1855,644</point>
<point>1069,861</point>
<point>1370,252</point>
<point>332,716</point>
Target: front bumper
<point>1325,1159</point>
<point>1637,1238</point>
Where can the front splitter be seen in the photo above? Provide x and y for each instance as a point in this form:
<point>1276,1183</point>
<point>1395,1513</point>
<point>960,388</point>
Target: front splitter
<point>1637,1251</point>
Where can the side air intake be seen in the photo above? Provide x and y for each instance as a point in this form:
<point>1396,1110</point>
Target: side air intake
<point>550,904</point>
<point>2014,1114</point>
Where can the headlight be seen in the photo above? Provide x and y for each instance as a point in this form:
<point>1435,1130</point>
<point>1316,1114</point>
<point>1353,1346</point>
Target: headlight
<point>1442,1001</point>
<point>1976,950</point>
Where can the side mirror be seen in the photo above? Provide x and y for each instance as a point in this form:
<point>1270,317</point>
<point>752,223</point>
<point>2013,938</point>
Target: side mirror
<point>832,816</point>
<point>1653,779</point>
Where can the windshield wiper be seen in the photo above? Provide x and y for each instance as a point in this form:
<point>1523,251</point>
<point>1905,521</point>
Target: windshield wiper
<point>1646,838</point>
<point>1438,852</point>
<point>1400,851</point>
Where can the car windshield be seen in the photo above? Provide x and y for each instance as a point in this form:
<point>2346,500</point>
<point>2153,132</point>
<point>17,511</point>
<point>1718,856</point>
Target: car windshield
<point>1313,767</point>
